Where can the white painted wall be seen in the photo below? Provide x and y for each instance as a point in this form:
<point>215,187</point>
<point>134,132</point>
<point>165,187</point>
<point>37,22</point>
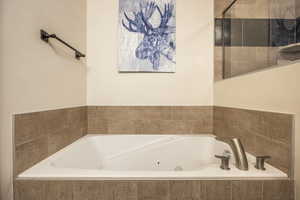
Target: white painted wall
<point>274,90</point>
<point>34,76</point>
<point>192,84</point>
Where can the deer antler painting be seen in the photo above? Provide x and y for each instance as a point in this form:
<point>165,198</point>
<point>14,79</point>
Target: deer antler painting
<point>147,35</point>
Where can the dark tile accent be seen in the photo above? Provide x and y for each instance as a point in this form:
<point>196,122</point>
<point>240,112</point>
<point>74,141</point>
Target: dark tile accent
<point>218,32</point>
<point>298,29</point>
<point>256,32</point>
<point>235,32</point>
<point>283,32</point>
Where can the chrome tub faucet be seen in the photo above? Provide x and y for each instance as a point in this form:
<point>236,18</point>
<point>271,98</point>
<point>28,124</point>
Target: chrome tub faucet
<point>239,153</point>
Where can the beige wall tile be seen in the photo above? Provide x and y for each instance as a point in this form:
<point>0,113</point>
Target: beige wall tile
<point>27,127</point>
<point>150,120</point>
<point>121,127</point>
<point>279,152</point>
<point>54,120</point>
<point>120,190</point>
<point>218,190</point>
<point>153,190</point>
<point>247,190</point>
<point>59,190</point>
<point>90,190</point>
<point>77,117</point>
<point>147,127</point>
<point>30,190</point>
<point>186,190</point>
<point>40,134</point>
<point>28,154</point>
<point>277,126</point>
<point>297,13</point>
<point>277,190</point>
<point>262,133</point>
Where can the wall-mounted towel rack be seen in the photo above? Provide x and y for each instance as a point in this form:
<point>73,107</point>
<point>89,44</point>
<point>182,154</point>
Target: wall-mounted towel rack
<point>45,37</point>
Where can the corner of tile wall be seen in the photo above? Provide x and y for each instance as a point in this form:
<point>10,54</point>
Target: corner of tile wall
<point>262,133</point>
<point>40,134</point>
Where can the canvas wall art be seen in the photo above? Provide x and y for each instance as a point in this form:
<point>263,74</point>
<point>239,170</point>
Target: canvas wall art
<point>147,35</point>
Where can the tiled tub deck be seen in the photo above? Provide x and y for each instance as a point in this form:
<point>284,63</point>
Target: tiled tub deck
<point>39,135</point>
<point>155,190</point>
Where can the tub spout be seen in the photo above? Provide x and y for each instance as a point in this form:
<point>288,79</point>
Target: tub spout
<point>240,157</point>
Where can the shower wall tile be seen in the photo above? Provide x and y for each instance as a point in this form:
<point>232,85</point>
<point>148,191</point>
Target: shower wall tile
<point>262,133</point>
<point>282,9</point>
<point>282,32</point>
<point>297,10</point>
<point>40,134</point>
<point>250,9</point>
<point>241,60</point>
<point>298,28</point>
<point>155,190</point>
<point>218,32</point>
<point>219,6</point>
<point>30,190</point>
<point>256,32</point>
<point>150,119</point>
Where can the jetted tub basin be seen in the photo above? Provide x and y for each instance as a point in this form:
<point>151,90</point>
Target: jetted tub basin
<point>139,157</point>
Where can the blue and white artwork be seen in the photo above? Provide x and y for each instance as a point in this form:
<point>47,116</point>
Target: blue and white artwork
<point>147,41</point>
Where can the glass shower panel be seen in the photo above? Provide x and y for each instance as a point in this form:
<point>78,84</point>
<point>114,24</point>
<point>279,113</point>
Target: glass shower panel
<point>254,32</point>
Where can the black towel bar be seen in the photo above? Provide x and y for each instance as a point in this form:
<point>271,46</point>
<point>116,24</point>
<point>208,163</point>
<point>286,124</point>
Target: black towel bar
<point>45,37</point>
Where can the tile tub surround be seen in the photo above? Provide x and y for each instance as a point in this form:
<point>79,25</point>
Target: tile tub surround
<point>155,190</point>
<point>40,134</point>
<point>262,133</point>
<point>150,119</point>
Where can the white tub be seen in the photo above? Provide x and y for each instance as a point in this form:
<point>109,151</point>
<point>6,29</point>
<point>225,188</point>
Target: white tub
<point>139,157</point>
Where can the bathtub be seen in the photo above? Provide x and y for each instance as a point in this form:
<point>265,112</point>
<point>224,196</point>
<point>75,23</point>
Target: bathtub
<point>143,157</point>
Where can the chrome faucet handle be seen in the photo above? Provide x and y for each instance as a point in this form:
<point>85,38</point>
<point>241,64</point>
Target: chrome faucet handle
<point>260,162</point>
<point>224,162</point>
